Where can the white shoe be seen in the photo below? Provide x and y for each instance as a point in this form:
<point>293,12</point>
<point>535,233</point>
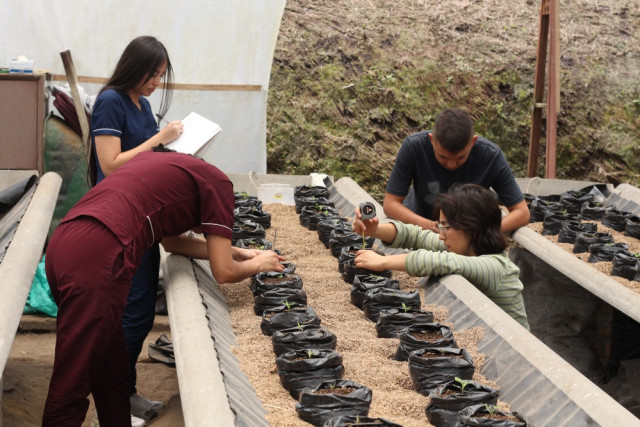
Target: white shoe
<point>135,421</point>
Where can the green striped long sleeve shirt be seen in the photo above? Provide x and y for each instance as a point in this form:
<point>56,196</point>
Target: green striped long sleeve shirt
<point>494,275</point>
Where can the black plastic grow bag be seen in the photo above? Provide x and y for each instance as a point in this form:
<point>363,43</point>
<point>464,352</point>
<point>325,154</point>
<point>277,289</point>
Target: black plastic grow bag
<point>365,283</point>
<point>269,280</point>
<point>476,415</point>
<point>317,408</point>
<point>309,338</point>
<point>281,318</point>
<point>588,238</point>
<point>278,297</point>
<point>308,368</point>
<point>409,341</point>
<point>393,321</point>
<point>446,400</point>
<point>380,299</point>
<point>432,367</point>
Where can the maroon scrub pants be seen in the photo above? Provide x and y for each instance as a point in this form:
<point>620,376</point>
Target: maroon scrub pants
<point>89,273</point>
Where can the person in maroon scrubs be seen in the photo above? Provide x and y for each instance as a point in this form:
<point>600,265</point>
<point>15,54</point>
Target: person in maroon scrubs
<point>94,252</point>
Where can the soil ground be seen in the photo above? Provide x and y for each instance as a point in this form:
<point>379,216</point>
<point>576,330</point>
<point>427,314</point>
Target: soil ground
<point>28,370</point>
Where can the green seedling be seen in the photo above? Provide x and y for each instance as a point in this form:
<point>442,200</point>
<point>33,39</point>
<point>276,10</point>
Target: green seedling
<point>288,304</point>
<point>491,409</point>
<point>405,307</point>
<point>300,326</point>
<point>310,353</point>
<point>463,383</point>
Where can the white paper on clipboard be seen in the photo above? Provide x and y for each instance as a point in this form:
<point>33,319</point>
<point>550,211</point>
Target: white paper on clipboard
<point>197,135</point>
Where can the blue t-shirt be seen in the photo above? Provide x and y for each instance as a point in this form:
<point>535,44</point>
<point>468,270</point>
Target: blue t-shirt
<point>416,164</point>
<point>114,113</point>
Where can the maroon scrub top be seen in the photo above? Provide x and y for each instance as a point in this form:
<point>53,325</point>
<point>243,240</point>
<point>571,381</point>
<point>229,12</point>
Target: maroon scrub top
<point>159,194</point>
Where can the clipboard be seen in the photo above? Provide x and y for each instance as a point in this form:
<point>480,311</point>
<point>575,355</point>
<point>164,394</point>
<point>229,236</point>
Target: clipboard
<point>197,135</point>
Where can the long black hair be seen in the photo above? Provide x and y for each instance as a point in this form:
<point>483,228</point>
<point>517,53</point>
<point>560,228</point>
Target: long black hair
<point>475,210</point>
<point>140,60</point>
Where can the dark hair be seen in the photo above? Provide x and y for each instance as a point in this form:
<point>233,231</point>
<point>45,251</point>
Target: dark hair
<point>142,57</point>
<point>161,148</point>
<point>453,129</point>
<point>474,210</point>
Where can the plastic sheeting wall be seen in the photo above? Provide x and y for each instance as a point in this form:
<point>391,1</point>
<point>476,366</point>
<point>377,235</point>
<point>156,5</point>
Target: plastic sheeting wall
<point>210,43</point>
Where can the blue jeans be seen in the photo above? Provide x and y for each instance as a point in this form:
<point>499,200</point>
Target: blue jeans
<point>140,311</point>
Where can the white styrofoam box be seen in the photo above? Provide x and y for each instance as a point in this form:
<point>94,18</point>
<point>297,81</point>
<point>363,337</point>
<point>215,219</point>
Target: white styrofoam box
<point>276,193</point>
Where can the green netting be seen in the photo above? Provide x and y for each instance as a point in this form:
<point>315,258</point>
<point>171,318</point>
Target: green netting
<point>64,154</point>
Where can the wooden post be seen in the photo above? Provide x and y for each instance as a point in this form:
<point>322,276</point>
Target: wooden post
<point>72,77</point>
<point>538,90</point>
<point>553,89</point>
<point>548,34</point>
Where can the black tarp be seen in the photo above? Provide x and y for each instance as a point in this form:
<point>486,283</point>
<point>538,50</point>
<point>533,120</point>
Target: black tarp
<point>14,201</point>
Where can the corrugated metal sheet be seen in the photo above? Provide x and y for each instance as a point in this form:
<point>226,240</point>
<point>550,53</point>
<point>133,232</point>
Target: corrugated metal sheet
<point>242,397</point>
<point>520,382</point>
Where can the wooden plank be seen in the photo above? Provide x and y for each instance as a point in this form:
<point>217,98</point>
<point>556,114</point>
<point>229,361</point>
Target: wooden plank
<point>72,78</point>
<point>177,86</point>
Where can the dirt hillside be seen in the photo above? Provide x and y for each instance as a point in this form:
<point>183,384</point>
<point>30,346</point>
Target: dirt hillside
<point>352,78</point>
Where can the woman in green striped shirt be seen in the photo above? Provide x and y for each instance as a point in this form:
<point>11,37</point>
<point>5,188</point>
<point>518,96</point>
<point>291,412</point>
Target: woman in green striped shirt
<point>470,244</point>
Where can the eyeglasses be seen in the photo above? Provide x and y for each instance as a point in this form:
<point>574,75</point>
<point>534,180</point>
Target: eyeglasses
<point>443,228</point>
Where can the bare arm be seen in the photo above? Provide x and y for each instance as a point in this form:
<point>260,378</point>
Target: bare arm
<point>228,263</point>
<point>371,227</point>
<point>517,217</point>
<point>394,208</point>
<point>373,261</point>
<point>183,244</point>
<point>111,157</point>
<point>226,268</point>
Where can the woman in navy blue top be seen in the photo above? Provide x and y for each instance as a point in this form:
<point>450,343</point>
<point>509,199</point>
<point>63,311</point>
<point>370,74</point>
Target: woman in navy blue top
<point>122,126</point>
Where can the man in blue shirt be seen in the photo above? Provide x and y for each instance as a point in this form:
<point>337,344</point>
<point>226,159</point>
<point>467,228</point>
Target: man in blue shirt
<point>432,161</point>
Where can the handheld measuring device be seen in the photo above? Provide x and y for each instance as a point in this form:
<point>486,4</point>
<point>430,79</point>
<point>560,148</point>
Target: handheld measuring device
<point>367,210</point>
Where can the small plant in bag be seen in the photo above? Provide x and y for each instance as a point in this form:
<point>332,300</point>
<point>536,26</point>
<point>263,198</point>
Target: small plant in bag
<point>463,383</point>
<point>491,409</point>
<point>288,304</point>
